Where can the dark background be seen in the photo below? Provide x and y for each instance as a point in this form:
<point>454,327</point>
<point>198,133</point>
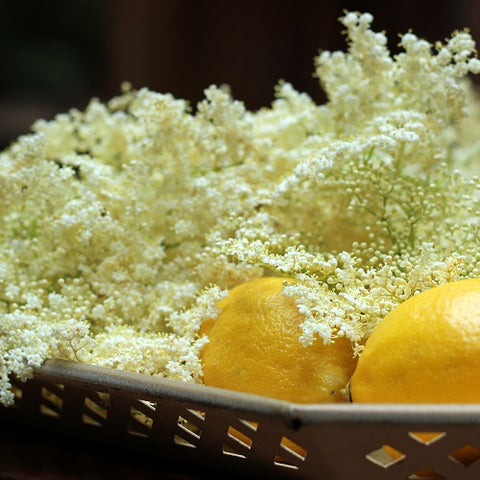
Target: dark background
<point>56,54</point>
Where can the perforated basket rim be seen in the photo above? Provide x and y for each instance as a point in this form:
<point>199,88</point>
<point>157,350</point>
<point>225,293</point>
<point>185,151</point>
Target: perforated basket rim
<point>146,386</point>
<point>327,433</point>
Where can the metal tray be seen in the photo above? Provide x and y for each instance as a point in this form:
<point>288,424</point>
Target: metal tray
<point>237,432</point>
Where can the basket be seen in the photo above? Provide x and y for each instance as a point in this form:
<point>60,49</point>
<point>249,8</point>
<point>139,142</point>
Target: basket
<point>237,432</point>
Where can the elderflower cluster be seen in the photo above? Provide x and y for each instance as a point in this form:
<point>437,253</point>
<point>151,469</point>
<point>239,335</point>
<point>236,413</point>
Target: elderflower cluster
<point>124,224</point>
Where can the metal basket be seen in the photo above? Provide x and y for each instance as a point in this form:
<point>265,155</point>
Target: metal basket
<point>233,431</point>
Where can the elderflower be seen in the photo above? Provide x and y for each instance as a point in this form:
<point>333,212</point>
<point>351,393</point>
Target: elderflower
<point>124,224</point>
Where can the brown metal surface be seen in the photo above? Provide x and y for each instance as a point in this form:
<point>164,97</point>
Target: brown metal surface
<point>237,432</point>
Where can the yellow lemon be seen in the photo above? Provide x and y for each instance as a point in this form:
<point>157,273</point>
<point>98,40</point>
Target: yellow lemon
<point>426,350</point>
<point>254,347</point>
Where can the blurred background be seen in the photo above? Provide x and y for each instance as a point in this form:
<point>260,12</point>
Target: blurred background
<point>57,54</point>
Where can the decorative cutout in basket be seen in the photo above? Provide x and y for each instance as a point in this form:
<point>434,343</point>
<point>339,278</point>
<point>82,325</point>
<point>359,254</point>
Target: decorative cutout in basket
<point>234,431</point>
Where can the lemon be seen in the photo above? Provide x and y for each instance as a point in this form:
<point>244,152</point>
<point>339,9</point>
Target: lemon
<point>426,350</point>
<point>254,347</point>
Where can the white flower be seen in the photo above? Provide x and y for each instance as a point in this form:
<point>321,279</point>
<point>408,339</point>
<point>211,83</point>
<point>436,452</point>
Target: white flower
<point>123,225</point>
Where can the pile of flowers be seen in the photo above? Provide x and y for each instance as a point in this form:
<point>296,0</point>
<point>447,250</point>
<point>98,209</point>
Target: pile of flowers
<point>123,225</point>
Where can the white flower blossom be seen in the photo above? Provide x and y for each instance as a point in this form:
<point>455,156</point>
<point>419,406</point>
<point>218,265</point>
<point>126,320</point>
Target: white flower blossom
<point>124,224</point>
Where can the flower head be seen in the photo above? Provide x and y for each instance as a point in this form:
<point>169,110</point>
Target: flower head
<point>124,224</point>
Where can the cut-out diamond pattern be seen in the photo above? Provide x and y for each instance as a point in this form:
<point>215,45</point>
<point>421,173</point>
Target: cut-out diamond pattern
<point>253,426</point>
<point>188,428</point>
<point>232,452</point>
<point>427,438</point>
<point>386,456</point>
<point>17,392</point>
<point>141,418</point>
<point>292,455</point>
<point>178,440</point>
<point>52,401</point>
<point>466,455</point>
<point>239,438</point>
<point>96,406</point>
<point>418,454</point>
<point>426,474</point>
